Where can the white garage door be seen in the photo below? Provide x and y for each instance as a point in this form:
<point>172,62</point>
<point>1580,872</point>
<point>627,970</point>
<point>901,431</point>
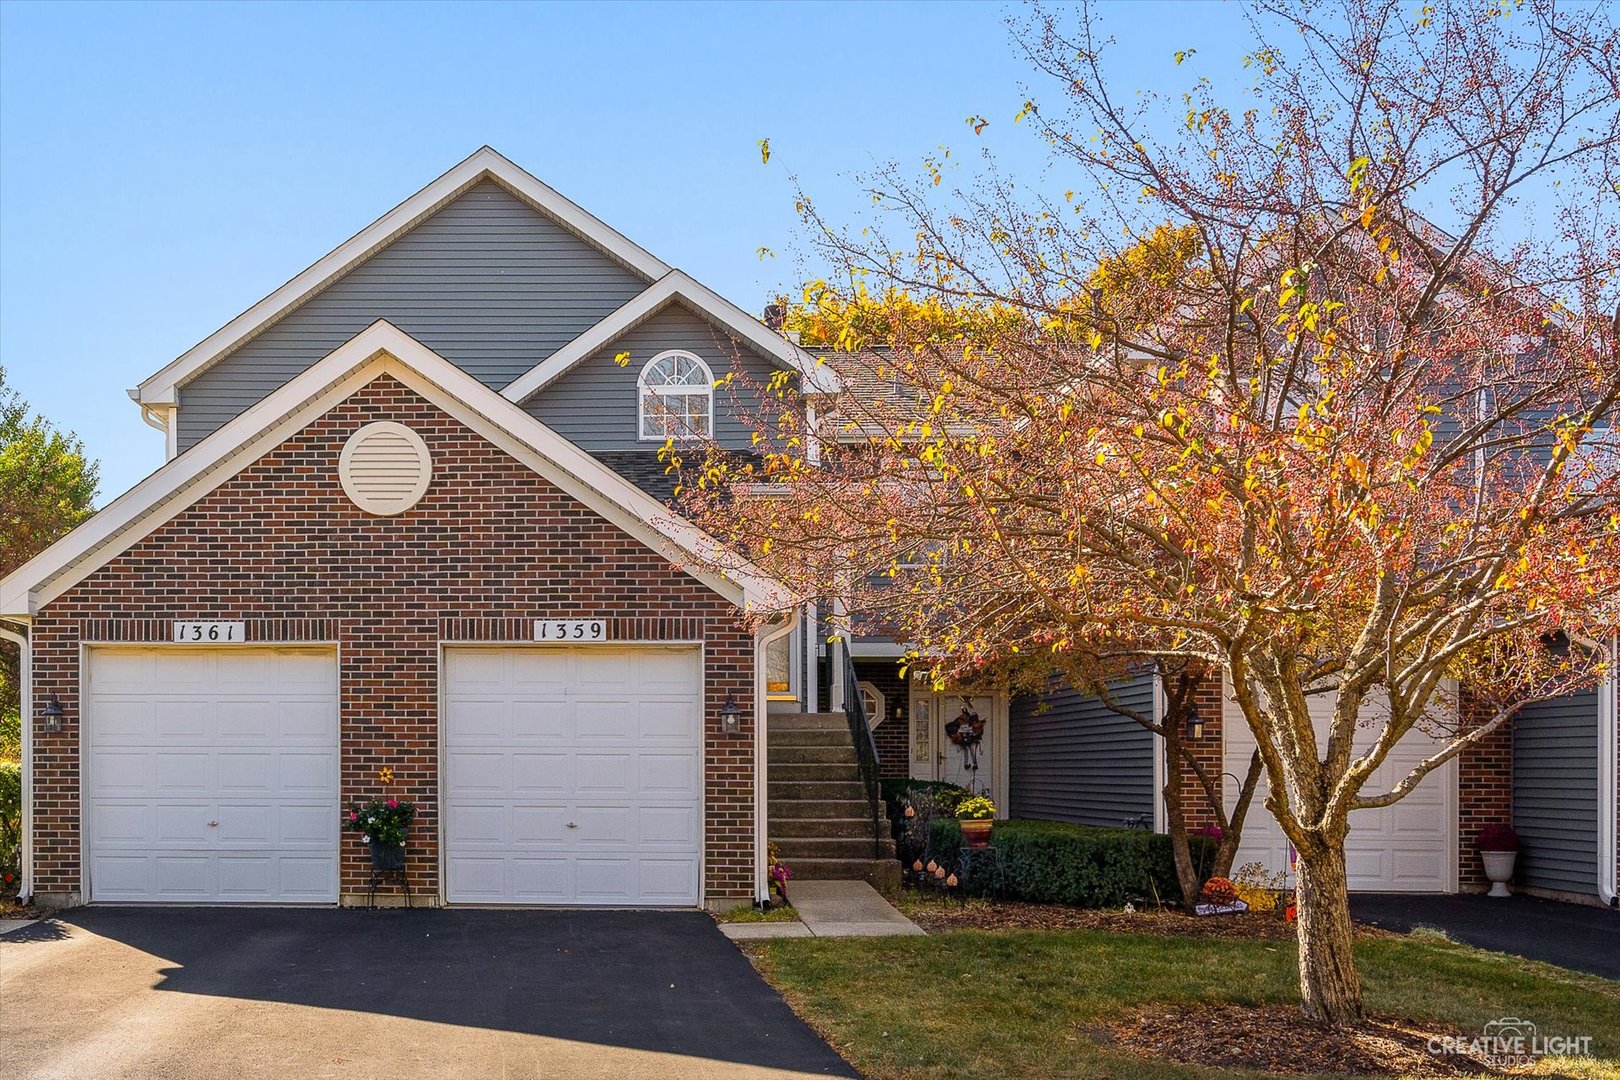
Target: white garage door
<point>212,775</point>
<point>573,776</point>
<point>1406,847</point>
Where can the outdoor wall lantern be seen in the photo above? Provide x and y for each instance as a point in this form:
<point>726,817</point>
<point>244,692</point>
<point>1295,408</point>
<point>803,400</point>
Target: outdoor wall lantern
<point>731,715</point>
<point>1195,724</point>
<point>52,715</point>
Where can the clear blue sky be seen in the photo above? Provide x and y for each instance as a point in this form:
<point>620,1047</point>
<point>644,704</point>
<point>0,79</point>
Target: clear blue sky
<point>163,167</point>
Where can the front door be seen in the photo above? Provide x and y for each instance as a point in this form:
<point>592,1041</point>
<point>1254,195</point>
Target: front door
<point>962,733</point>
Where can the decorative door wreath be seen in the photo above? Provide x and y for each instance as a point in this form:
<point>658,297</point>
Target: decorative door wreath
<point>967,731</point>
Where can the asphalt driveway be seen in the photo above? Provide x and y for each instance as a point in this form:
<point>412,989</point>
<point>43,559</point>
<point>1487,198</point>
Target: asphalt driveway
<point>195,993</point>
<point>1578,936</point>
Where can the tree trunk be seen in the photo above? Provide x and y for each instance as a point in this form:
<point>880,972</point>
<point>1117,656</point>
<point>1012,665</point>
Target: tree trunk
<point>1329,988</point>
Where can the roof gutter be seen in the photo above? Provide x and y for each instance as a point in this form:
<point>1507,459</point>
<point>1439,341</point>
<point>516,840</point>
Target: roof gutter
<point>25,705</point>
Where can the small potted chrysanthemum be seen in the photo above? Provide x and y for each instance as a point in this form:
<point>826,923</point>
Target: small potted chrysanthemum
<point>977,817</point>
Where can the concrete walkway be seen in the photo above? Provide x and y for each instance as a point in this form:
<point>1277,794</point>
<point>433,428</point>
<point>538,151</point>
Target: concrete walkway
<point>1570,935</point>
<point>830,909</point>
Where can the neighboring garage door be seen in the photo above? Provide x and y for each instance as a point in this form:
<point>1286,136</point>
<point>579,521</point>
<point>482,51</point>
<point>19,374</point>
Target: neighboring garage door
<point>1555,793</point>
<point>573,776</point>
<point>212,774</point>
<point>1406,847</point>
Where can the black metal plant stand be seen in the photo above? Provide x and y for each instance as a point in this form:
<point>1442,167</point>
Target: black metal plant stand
<point>385,864</point>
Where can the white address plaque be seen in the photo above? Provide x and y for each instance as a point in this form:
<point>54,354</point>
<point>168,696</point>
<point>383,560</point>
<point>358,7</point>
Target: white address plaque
<point>210,631</point>
<point>570,630</point>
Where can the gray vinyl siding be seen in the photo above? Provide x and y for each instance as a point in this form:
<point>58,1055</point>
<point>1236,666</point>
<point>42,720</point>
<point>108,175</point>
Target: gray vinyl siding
<point>487,282</point>
<point>1555,793</point>
<point>595,403</point>
<point>1075,760</point>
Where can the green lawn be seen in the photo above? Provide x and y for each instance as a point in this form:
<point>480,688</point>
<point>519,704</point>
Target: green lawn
<point>1018,1004</point>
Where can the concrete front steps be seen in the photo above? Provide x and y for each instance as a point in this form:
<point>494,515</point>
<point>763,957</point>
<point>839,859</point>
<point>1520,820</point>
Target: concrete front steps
<point>820,820</point>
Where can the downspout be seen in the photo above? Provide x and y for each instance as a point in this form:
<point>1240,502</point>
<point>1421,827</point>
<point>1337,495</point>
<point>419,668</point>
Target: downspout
<point>762,638</point>
<point>25,706</point>
<point>1608,782</point>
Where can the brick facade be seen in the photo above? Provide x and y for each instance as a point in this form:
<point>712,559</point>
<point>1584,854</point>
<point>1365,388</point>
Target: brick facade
<point>490,546</point>
<point>1207,749</point>
<point>1484,792</point>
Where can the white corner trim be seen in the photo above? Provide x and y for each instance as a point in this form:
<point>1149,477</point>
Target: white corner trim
<point>818,376</point>
<point>25,705</point>
<point>485,163</point>
<point>380,348</point>
<point>762,639</point>
<point>1608,782</point>
<point>1161,748</point>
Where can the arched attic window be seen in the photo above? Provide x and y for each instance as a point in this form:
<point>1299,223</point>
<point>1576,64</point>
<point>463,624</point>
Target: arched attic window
<point>676,394</point>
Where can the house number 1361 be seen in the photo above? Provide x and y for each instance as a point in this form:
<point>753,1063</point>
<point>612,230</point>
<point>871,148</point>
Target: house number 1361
<point>570,629</point>
<point>209,631</point>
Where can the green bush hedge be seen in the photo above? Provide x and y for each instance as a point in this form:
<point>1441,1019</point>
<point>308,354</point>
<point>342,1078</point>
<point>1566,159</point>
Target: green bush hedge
<point>1084,866</point>
<point>946,795</point>
<point>10,825</point>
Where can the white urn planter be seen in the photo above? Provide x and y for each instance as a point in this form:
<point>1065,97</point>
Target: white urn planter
<point>1499,869</point>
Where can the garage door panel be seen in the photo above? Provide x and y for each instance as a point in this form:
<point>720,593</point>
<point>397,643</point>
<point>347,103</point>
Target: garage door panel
<point>538,720</point>
<point>213,774</point>
<point>543,825</point>
<point>596,774</point>
<point>183,772</point>
<point>674,721</point>
<point>667,827</point>
<point>586,737</point>
<point>667,774</point>
<point>668,880</point>
<point>542,775</point>
<point>604,719</point>
<point>182,824</point>
<point>183,720</point>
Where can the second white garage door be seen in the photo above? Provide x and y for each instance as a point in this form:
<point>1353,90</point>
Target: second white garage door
<point>1405,847</point>
<point>573,776</point>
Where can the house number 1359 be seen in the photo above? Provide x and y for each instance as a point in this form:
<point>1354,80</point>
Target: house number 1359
<point>570,629</point>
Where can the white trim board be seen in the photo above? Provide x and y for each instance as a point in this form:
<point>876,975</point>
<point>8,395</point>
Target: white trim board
<point>381,348</point>
<point>161,388</point>
<point>675,286</point>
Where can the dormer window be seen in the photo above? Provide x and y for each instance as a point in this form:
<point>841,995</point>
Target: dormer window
<point>676,390</point>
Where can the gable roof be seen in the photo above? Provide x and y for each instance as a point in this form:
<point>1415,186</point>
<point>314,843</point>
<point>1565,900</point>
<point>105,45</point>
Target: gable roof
<point>381,348</point>
<point>485,164</point>
<point>676,286</point>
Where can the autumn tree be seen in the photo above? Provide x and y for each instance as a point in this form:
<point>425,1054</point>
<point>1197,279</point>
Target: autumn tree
<point>47,487</point>
<point>1355,446</point>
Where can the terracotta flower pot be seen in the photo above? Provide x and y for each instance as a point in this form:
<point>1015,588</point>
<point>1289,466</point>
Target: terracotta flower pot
<point>976,834</point>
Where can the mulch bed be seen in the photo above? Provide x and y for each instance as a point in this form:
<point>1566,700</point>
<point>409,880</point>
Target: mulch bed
<point>1278,1038</point>
<point>937,916</point>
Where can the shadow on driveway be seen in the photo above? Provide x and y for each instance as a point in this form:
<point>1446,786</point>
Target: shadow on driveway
<point>665,982</point>
<point>1576,936</point>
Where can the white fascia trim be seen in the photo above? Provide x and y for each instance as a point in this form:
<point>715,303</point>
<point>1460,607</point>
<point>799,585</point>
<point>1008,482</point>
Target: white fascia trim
<point>161,388</point>
<point>676,285</point>
<point>875,650</point>
<point>379,348</point>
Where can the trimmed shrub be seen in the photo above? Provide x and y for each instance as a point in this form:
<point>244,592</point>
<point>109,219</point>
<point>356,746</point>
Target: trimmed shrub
<point>10,826</point>
<point>947,796</point>
<point>1052,862</point>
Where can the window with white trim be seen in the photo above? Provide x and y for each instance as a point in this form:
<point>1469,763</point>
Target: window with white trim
<point>874,702</point>
<point>676,395</point>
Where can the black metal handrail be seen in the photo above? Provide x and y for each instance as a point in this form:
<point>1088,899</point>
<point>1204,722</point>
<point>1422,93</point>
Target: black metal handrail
<point>866,754</point>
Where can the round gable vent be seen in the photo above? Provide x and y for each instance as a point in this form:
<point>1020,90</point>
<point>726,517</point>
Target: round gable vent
<point>385,468</point>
